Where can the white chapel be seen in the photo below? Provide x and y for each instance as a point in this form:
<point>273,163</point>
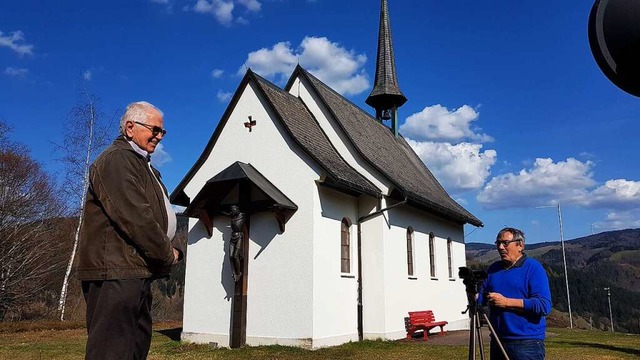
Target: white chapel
<point>313,223</point>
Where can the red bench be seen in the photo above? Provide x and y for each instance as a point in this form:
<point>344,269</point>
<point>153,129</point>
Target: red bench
<point>422,320</point>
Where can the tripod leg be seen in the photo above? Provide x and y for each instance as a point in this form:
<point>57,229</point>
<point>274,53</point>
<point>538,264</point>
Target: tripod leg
<point>472,338</point>
<point>479,336</point>
<point>495,337</point>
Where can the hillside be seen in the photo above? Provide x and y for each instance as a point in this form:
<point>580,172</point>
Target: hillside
<point>608,259</point>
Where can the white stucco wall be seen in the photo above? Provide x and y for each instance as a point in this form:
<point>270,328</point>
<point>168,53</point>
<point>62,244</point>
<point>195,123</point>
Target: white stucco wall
<point>207,304</point>
<point>335,293</point>
<point>444,295</point>
<point>279,306</point>
<point>374,302</point>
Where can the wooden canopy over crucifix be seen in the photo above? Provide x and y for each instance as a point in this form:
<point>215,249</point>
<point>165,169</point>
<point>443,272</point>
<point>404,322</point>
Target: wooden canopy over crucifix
<point>242,188</point>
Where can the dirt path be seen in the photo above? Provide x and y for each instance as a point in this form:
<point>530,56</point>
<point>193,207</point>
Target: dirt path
<point>459,337</point>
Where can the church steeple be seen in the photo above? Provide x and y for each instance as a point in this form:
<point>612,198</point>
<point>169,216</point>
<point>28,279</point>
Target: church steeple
<point>386,96</point>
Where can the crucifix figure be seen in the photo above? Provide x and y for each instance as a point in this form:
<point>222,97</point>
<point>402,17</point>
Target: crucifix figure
<point>249,124</point>
<point>235,244</point>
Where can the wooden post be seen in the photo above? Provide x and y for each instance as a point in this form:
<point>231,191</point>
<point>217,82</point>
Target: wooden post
<point>239,306</point>
<point>239,315</point>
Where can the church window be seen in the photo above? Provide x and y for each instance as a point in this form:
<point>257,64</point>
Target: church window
<point>432,254</point>
<point>345,245</point>
<point>410,251</point>
<point>450,257</point>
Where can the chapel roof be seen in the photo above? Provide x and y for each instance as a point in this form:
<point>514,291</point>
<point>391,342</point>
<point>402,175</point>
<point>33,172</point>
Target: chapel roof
<point>390,155</point>
<point>305,130</point>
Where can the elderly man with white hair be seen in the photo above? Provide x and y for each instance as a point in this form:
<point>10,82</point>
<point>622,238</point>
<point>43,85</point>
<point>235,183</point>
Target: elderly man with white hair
<point>127,238</point>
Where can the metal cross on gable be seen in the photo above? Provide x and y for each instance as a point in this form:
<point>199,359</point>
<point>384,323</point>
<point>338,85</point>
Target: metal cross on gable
<point>249,124</point>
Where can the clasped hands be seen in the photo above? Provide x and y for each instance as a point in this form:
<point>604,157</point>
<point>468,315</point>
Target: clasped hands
<point>497,300</point>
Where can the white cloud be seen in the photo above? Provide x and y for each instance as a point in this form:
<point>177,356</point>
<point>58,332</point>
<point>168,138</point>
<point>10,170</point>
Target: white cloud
<point>437,123</point>
<point>223,96</point>
<point>15,43</point>
<point>458,167</point>
<point>223,10</point>
<point>618,193</point>
<point>567,182</point>
<point>277,61</point>
<point>251,5</point>
<point>16,72</point>
<point>220,9</point>
<point>341,69</point>
<point>216,73</point>
<point>546,183</point>
<point>86,75</point>
<point>338,67</point>
<point>619,220</point>
<point>160,156</point>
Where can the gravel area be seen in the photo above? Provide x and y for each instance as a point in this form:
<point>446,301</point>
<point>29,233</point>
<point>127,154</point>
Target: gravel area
<point>459,337</point>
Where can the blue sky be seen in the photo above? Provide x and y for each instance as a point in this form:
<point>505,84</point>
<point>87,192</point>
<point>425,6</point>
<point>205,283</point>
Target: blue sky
<point>506,104</point>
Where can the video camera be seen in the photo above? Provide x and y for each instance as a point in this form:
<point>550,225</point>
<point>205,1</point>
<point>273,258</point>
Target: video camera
<point>471,278</point>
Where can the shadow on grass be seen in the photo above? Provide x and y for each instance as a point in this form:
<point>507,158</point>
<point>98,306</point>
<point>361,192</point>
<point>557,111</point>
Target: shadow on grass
<point>173,334</point>
<point>602,346</point>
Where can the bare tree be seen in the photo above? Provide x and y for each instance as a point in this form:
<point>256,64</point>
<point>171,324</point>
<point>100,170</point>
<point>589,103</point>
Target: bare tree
<point>5,129</point>
<point>85,135</point>
<point>28,203</point>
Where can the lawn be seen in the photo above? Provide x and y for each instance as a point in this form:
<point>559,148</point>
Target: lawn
<point>55,341</point>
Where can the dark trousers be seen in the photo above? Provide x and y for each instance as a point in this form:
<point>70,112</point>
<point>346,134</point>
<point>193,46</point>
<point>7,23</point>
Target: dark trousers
<point>519,350</point>
<point>118,318</point>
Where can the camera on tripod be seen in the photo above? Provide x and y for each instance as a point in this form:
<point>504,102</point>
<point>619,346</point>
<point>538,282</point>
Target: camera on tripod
<point>471,278</point>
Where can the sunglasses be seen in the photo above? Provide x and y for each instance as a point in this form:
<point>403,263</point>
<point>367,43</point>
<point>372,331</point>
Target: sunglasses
<point>155,130</point>
<point>504,242</point>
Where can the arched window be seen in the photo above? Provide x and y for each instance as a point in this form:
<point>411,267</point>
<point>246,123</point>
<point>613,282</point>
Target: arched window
<point>410,251</point>
<point>432,254</point>
<point>345,246</point>
<point>450,257</point>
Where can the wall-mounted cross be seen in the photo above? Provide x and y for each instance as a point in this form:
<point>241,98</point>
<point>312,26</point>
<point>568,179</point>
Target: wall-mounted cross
<point>249,124</point>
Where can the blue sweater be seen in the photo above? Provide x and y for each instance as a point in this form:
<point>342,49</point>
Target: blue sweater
<point>526,280</point>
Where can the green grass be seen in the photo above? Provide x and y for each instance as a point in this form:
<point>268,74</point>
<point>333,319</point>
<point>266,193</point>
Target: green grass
<point>51,341</point>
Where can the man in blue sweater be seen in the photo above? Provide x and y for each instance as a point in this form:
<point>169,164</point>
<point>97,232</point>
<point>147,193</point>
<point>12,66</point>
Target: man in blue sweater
<point>517,292</point>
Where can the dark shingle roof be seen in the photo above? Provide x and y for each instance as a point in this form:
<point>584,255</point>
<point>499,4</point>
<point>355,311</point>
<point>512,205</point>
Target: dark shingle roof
<point>391,156</point>
<point>306,131</point>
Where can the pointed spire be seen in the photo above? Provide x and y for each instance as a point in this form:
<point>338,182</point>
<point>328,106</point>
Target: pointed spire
<point>386,96</point>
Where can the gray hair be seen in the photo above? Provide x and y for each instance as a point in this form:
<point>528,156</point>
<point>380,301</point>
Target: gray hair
<point>517,234</point>
<point>137,111</point>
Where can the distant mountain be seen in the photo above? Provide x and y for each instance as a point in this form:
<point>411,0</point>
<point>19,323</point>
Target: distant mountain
<point>609,259</point>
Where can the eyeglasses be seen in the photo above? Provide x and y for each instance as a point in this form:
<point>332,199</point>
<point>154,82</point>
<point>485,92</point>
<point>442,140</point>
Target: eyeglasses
<point>504,242</point>
<point>155,130</point>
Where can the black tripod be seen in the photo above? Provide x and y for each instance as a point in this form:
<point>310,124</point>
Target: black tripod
<point>475,331</point>
<point>472,280</point>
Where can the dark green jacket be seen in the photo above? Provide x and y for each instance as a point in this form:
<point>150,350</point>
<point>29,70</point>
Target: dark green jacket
<point>123,234</point>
